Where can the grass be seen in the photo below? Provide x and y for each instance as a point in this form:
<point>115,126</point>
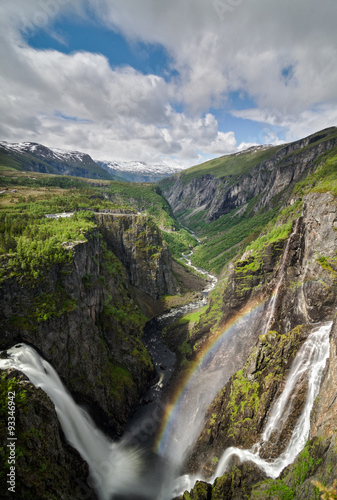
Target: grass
<point>230,165</point>
<point>222,246</point>
<point>147,197</point>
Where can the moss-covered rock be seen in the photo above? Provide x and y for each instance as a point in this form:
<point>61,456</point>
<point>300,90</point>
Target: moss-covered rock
<point>46,467</point>
<point>237,415</point>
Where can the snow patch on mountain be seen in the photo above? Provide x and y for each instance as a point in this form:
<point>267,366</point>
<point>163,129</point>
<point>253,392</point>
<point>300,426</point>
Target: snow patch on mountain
<point>140,167</point>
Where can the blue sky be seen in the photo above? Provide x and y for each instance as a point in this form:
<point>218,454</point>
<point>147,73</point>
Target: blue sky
<point>158,81</point>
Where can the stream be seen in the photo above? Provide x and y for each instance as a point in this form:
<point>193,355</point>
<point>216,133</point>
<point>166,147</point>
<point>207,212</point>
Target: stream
<point>143,426</point>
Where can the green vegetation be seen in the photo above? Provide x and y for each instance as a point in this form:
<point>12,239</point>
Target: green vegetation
<point>148,198</point>
<point>293,478</point>
<point>120,380</point>
<point>247,393</point>
<point>145,197</point>
<point>24,161</point>
<point>179,242</point>
<point>329,264</point>
<point>191,317</point>
<point>276,234</point>
<point>230,165</point>
<point>219,249</point>
<point>30,243</point>
<point>325,177</point>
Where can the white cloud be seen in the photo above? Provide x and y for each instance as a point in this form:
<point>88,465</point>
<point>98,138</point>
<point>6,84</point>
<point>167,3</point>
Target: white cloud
<point>297,125</point>
<point>281,54</point>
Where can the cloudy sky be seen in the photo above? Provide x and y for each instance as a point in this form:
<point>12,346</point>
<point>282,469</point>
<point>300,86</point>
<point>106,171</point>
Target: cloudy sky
<point>177,81</point>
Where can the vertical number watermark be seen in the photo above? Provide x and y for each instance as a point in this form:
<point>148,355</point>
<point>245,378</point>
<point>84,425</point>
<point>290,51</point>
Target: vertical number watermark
<point>11,442</point>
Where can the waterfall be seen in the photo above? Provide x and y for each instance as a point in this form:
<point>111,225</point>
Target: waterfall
<point>114,469</point>
<point>282,271</point>
<point>310,360</point>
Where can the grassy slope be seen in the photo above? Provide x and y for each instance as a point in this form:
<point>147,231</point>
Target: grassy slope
<point>230,165</point>
<point>148,197</point>
<point>277,229</point>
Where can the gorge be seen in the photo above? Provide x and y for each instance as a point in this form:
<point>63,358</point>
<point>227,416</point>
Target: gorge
<point>237,397</point>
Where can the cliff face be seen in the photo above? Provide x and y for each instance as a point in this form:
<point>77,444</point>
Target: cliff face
<point>46,466</point>
<point>306,277</point>
<point>137,242</point>
<point>84,319</point>
<point>219,196</point>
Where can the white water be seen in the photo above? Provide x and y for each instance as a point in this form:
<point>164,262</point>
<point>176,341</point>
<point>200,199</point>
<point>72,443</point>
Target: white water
<point>310,360</point>
<point>282,271</point>
<point>113,468</point>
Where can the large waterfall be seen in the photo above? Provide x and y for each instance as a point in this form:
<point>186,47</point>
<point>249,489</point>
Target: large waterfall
<point>114,469</point>
<point>309,362</point>
<point>119,471</point>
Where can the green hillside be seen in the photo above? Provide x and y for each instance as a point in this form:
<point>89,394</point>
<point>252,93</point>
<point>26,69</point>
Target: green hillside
<point>232,165</point>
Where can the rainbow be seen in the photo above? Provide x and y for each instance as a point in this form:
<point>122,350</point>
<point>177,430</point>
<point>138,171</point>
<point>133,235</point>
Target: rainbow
<point>206,354</point>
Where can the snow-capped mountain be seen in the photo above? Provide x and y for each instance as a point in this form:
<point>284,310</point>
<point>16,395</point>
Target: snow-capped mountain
<point>139,171</point>
<point>35,157</point>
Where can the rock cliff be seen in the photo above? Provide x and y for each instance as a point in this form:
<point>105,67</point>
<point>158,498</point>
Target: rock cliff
<point>84,319</point>
<point>137,242</point>
<point>46,466</point>
<point>303,270</point>
<point>279,173</point>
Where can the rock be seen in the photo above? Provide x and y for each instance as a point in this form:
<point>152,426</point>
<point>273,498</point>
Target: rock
<point>46,466</point>
<point>219,196</point>
<point>84,319</point>
<point>137,242</point>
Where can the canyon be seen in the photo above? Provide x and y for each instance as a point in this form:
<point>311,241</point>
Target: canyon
<point>242,413</point>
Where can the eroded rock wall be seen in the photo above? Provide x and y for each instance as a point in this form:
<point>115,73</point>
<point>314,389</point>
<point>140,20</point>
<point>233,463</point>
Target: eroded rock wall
<point>219,196</point>
<point>84,319</point>
<point>307,294</point>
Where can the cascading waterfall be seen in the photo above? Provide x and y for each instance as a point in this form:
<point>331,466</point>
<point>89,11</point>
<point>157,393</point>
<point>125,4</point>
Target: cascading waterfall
<point>114,469</point>
<point>187,417</point>
<point>310,360</point>
<point>117,470</point>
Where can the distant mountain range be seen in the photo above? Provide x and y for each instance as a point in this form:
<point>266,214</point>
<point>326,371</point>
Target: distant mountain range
<point>138,171</point>
<point>35,157</point>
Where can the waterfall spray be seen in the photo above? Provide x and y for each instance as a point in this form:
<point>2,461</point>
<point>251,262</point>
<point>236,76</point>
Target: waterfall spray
<point>310,360</point>
<point>114,469</point>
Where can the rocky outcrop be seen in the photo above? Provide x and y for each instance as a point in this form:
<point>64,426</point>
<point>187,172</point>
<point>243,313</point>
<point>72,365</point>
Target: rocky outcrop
<point>237,415</point>
<point>324,416</point>
<point>84,319</point>
<point>219,196</point>
<point>45,466</point>
<point>137,242</point>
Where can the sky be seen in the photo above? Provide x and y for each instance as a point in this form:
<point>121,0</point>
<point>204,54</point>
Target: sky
<point>166,81</point>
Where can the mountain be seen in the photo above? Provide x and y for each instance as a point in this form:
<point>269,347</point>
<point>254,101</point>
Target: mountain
<point>138,171</point>
<point>227,199</point>
<point>30,156</point>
